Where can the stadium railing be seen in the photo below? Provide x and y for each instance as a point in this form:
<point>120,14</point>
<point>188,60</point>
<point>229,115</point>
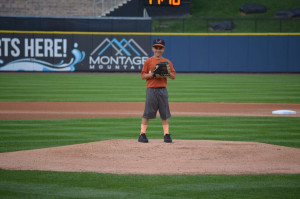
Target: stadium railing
<point>203,25</point>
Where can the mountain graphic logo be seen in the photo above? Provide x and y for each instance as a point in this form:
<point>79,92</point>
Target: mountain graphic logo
<point>123,47</point>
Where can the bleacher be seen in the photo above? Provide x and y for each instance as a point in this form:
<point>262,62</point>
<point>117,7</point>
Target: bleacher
<point>110,6</point>
<point>60,8</point>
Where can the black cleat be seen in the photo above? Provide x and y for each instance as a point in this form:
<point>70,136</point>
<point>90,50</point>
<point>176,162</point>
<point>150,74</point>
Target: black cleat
<point>167,138</point>
<point>143,138</point>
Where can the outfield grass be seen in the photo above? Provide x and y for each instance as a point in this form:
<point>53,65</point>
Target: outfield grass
<point>130,87</point>
<point>50,185</point>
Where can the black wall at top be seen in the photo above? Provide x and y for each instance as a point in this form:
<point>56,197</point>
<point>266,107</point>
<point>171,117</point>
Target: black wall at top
<point>104,24</point>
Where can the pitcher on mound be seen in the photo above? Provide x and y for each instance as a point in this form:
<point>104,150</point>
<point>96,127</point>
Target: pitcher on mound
<point>156,71</point>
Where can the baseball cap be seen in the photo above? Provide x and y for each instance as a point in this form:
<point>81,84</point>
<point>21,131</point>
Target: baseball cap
<point>158,42</point>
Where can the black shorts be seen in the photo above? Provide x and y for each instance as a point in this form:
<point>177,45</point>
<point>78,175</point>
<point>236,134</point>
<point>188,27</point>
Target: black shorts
<point>157,99</point>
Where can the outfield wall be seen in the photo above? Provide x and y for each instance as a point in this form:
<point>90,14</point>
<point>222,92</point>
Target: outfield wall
<point>126,52</point>
<point>234,52</point>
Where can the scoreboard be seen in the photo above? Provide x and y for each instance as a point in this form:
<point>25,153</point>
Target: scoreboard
<point>162,3</point>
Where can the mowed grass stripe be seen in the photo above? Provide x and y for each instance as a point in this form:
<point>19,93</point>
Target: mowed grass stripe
<point>44,184</point>
<point>130,87</point>
<point>65,87</point>
<point>31,134</point>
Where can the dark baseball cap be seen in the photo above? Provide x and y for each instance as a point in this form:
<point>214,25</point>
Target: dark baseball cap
<point>158,42</point>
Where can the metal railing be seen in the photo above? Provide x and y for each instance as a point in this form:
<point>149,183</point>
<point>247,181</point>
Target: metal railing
<point>101,7</point>
<point>240,25</point>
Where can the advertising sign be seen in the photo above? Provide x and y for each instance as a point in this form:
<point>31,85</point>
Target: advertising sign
<point>73,52</point>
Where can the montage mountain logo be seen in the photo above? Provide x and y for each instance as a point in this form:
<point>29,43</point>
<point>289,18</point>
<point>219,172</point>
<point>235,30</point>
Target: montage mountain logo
<point>114,55</point>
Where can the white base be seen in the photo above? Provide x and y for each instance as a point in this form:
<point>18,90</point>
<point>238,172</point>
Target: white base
<point>284,112</point>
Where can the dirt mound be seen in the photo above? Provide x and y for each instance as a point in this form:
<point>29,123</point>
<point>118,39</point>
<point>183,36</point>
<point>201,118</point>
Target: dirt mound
<point>156,157</point>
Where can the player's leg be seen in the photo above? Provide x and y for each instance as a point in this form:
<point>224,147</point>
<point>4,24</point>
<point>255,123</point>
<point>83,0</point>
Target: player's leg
<point>167,136</point>
<point>144,125</point>
<point>143,138</point>
<point>165,124</point>
<point>150,111</point>
<point>165,113</point>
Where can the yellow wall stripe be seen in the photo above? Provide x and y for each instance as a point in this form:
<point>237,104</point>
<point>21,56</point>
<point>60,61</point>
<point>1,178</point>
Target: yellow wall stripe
<point>141,33</point>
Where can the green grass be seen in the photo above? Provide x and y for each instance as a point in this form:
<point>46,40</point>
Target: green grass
<point>231,8</point>
<point>50,185</point>
<point>130,87</point>
<point>32,134</point>
<point>224,9</point>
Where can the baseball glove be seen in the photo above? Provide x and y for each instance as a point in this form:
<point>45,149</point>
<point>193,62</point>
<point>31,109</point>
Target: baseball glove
<point>161,70</point>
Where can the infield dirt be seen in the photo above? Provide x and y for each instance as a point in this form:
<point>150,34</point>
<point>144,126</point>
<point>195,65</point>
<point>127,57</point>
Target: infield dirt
<point>54,110</point>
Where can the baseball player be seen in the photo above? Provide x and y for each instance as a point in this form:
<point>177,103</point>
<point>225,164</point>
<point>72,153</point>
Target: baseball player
<point>157,94</point>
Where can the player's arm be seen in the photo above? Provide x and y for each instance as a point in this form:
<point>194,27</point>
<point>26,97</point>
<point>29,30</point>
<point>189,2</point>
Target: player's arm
<point>147,75</point>
<point>172,76</point>
<point>172,72</point>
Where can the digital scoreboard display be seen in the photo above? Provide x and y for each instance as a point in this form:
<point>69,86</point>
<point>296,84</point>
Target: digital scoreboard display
<point>162,2</point>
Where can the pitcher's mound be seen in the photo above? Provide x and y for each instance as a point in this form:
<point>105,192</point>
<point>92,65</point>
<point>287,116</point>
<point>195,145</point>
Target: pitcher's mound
<point>156,157</point>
